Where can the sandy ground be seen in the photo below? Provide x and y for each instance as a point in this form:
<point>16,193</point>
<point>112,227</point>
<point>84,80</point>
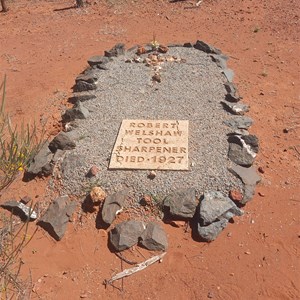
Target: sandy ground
<point>44,46</point>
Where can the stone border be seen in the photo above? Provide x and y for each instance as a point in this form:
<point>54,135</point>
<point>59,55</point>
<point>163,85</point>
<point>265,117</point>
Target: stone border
<point>213,209</point>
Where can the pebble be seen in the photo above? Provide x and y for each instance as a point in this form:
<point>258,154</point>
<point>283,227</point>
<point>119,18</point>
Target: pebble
<point>97,194</point>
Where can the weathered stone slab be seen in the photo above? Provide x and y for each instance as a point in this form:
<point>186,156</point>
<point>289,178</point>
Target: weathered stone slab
<point>151,144</point>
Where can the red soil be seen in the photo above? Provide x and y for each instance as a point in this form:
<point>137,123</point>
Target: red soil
<point>43,48</point>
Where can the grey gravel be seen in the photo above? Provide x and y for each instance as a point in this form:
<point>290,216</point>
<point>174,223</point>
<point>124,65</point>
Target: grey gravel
<point>188,91</point>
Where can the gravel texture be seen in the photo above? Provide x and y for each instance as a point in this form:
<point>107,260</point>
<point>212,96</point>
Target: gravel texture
<point>190,90</point>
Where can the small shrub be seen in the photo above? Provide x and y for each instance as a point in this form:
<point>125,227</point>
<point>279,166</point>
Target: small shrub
<point>17,146</point>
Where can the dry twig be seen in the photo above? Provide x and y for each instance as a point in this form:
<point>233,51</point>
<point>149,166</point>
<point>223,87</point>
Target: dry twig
<point>139,267</point>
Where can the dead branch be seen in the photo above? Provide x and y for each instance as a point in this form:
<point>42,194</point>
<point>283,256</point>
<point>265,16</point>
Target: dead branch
<point>139,267</point>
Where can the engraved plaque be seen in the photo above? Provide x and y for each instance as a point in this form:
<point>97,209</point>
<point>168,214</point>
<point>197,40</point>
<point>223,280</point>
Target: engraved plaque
<point>151,144</point>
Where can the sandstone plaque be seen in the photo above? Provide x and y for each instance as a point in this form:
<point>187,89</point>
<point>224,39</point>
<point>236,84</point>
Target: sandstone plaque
<point>151,144</point>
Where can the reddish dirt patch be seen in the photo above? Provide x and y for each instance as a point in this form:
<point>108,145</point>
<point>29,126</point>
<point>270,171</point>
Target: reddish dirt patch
<point>44,47</point>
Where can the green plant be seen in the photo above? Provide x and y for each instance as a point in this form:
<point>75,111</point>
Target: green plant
<point>14,237</point>
<point>17,147</point>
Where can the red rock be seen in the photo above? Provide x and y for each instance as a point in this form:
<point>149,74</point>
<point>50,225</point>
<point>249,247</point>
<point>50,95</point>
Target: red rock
<point>93,171</point>
<point>163,49</point>
<point>261,170</point>
<point>236,195</point>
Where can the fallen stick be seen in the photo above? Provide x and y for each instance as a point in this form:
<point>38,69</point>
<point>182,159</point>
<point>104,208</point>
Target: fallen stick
<point>139,267</point>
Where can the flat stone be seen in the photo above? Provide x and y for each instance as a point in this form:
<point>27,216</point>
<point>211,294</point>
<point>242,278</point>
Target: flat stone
<point>210,232</point>
<point>202,46</point>
<point>249,175</point>
<point>188,45</point>
<point>57,216</point>
<point>232,93</point>
<point>151,144</point>
<point>77,112</point>
<point>154,238</point>
<point>126,234</point>
<point>62,141</point>
<point>112,205</point>
<point>239,122</point>
<point>241,152</point>
<point>89,76</point>
<point>81,98</point>
<point>41,163</point>
<point>182,203</point>
<point>98,60</point>
<point>82,86</point>
<point>117,50</point>
<point>236,108</point>
<point>214,206</point>
<point>229,74</point>
<point>20,209</point>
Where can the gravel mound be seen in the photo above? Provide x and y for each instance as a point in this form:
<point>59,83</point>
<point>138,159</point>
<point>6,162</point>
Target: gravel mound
<point>189,90</point>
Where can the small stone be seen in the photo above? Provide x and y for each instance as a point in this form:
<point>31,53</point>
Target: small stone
<point>113,204</point>
<point>77,112</point>
<point>93,171</point>
<point>98,60</point>
<point>57,216</point>
<point>202,46</point>
<point>97,195</point>
<point>152,175</point>
<point>261,194</point>
<point>239,122</point>
<point>163,49</point>
<point>229,74</point>
<point>154,238</point>
<point>141,50</point>
<point>182,203</point>
<point>82,86</point>
<point>236,108</point>
<point>214,206</point>
<point>89,76</point>
<point>156,77</point>
<point>62,142</point>
<point>20,209</point>
<point>41,163</point>
<point>210,232</point>
<point>261,170</point>
<point>117,50</point>
<point>126,234</point>
<point>220,60</point>
<point>236,195</point>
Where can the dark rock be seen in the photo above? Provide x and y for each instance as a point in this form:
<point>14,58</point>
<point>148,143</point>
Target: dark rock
<point>177,45</point>
<point>240,122</point>
<point>243,149</point>
<point>62,142</point>
<point>154,238</point>
<point>210,232</point>
<point>214,206</point>
<point>239,152</point>
<point>126,234</point>
<point>20,209</point>
<point>102,67</point>
<point>93,171</point>
<point>57,216</point>
<point>81,98</point>
<point>188,45</point>
<point>232,93</point>
<point>202,46</point>
<point>220,60</point>
<point>98,60</point>
<point>41,163</point>
<point>252,141</point>
<point>249,177</point>
<point>229,74</point>
<point>236,108</point>
<point>182,203</point>
<point>117,50</point>
<point>112,205</point>
<point>77,112</point>
<point>82,86</point>
<point>89,76</point>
